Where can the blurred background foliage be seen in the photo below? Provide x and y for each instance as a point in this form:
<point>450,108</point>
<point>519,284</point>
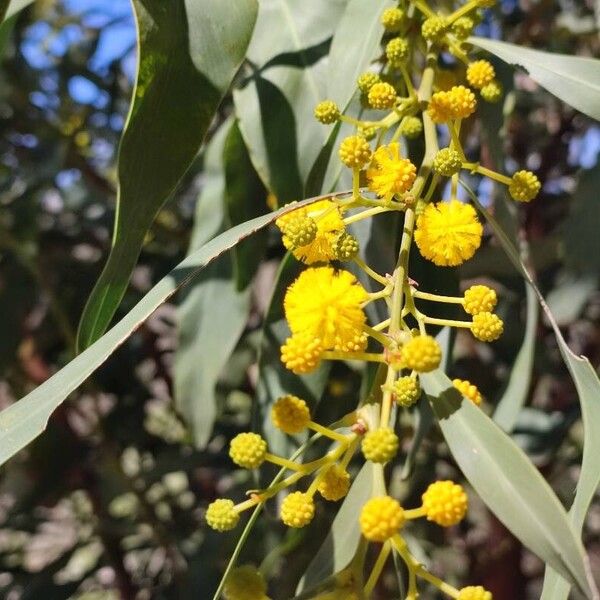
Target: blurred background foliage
<point>108,502</point>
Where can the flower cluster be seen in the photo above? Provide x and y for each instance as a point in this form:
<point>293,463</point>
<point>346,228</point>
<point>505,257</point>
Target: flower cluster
<point>325,306</point>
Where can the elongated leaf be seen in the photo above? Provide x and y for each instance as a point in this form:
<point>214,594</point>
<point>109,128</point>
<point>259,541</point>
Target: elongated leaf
<point>275,106</point>
<point>516,391</point>
<point>9,8</point>
<point>348,57</point>
<point>213,313</point>
<point>507,482</point>
<point>26,419</point>
<point>573,79</point>
<point>341,542</point>
<point>189,51</point>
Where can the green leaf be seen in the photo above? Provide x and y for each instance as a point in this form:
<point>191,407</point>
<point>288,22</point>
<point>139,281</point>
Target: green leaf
<point>573,79</point>
<point>354,46</point>
<point>515,394</point>
<point>289,72</point>
<point>189,51</point>
<point>23,421</point>
<point>9,8</point>
<point>507,482</point>
<point>245,199</point>
<point>343,539</point>
<point>213,314</point>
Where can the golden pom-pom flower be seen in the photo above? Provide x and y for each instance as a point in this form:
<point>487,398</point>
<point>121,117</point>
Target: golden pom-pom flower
<point>326,304</point>
<point>524,187</point>
<point>480,73</point>
<point>448,233</point>
<point>469,390</point>
<point>392,19</point>
<point>474,593</point>
<point>487,326</point>
<point>301,353</point>
<point>248,450</point>
<point>406,391</point>
<point>380,445</point>
<point>445,503</point>
<point>335,483</point>
<point>327,112</point>
<point>390,173</point>
<point>479,298</point>
<point>221,515</point>
<point>290,414</point>
<point>382,95</point>
<point>381,518</point>
<point>297,509</point>
<point>355,151</point>
<point>422,354</point>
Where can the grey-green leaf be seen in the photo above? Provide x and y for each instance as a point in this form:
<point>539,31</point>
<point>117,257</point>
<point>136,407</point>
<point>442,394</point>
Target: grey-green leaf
<point>573,79</point>
<point>189,51</point>
<point>9,8</point>
<point>23,421</point>
<point>213,314</point>
<point>507,482</point>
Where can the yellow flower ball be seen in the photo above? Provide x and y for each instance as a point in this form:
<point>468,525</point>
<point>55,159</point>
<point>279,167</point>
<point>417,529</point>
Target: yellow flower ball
<point>463,27</point>
<point>524,187</point>
<point>381,518</point>
<point>480,73</point>
<point>445,503</point>
<point>357,343</point>
<point>248,450</point>
<point>367,80</point>
<point>406,391</point>
<point>326,304</point>
<point>492,92</point>
<point>221,515</point>
<point>301,353</point>
<point>467,389</point>
<point>392,19</point>
<point>382,95</point>
<point>245,583</point>
<point>439,108</point>
<point>474,593</point>
<point>396,51</point>
<point>390,173</point>
<point>355,151</point>
<point>479,298</point>
<point>345,247</point>
<point>290,414</point>
<point>422,354</point>
<point>447,162</point>
<point>297,510</point>
<point>487,326</point>
<point>448,233</point>
<point>380,445</point>
<point>335,483</point>
<point>298,230</point>
<point>462,102</point>
<point>434,28</point>
<point>327,112</point>
<point>411,127</point>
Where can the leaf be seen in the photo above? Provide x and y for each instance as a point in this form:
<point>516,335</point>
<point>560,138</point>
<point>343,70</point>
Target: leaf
<point>245,198</point>
<point>587,384</point>
<point>573,79</point>
<point>9,8</point>
<point>289,72</point>
<point>515,394</point>
<point>189,51</point>
<point>23,421</point>
<point>354,46</point>
<point>213,314</point>
<point>342,541</point>
<point>507,482</point>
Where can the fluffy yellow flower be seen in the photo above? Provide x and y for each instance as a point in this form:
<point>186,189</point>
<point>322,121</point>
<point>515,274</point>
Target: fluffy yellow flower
<point>480,73</point>
<point>390,174</point>
<point>297,509</point>
<point>381,518</point>
<point>328,218</point>
<point>301,353</point>
<point>479,298</point>
<point>290,414</point>
<point>326,304</point>
<point>221,515</point>
<point>469,390</point>
<point>335,483</point>
<point>457,103</point>
<point>445,503</point>
<point>474,593</point>
<point>448,233</point>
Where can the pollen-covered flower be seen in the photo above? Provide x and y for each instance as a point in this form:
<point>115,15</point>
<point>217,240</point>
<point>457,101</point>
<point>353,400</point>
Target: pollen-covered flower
<point>382,95</point>
<point>440,107</point>
<point>326,304</point>
<point>421,354</point>
<point>479,298</point>
<point>392,19</point>
<point>467,389</point>
<point>445,503</point>
<point>380,445</point>
<point>480,73</point>
<point>355,151</point>
<point>473,592</point>
<point>447,162</point>
<point>434,28</point>
<point>406,391</point>
<point>396,51</point>
<point>381,518</point>
<point>345,247</point>
<point>297,509</point>
<point>448,233</point>
<point>463,27</point>
<point>335,483</point>
<point>301,353</point>
<point>290,414</point>
<point>487,326</point>
<point>462,102</point>
<point>245,583</point>
<point>411,127</point>
<point>321,223</point>
<point>221,515</point>
<point>492,92</point>
<point>327,112</point>
<point>524,187</point>
<point>390,173</point>
<point>248,450</point>
<point>367,80</point>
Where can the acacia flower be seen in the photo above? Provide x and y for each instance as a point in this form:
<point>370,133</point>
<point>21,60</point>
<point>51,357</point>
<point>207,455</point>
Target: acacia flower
<point>326,304</point>
<point>448,233</point>
<point>390,173</point>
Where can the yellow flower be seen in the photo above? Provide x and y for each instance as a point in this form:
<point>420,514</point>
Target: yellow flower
<point>382,95</point>
<point>421,354</point>
<point>467,389</point>
<point>448,233</point>
<point>480,73</point>
<point>329,225</point>
<point>487,326</point>
<point>290,414</point>
<point>245,583</point>
<point>380,445</point>
<point>479,298</point>
<point>457,103</point>
<point>392,19</point>
<point>390,174</point>
<point>327,112</point>
<point>381,518</point>
<point>326,304</point>
<point>248,450</point>
<point>297,509</point>
<point>355,151</point>
<point>335,483</point>
<point>525,186</point>
<point>473,592</point>
<point>445,503</point>
<point>221,515</point>
<point>301,353</point>
<point>406,391</point>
